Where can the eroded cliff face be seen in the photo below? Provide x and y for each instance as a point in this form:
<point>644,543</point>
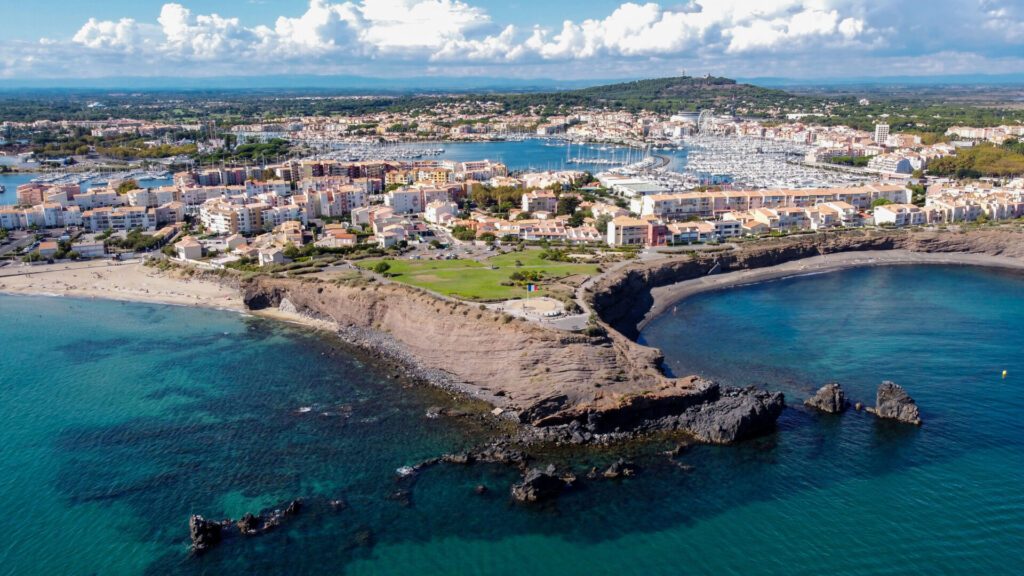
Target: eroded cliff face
<point>554,379</point>
<point>548,377</point>
<point>624,299</point>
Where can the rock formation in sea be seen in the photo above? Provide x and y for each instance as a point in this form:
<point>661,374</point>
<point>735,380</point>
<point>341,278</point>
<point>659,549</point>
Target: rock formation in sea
<point>621,468</point>
<point>893,403</point>
<point>830,399</point>
<point>204,533</point>
<point>537,486</point>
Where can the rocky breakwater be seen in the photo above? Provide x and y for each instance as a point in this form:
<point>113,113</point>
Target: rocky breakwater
<point>557,383</point>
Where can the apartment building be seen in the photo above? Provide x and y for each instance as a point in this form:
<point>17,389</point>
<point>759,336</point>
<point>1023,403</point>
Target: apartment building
<point>118,219</point>
<point>540,201</point>
<point>627,231</point>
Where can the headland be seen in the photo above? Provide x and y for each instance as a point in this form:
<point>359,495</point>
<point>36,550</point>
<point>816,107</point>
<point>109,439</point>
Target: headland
<point>589,386</point>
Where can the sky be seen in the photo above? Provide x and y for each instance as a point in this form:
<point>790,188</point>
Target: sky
<point>528,39</point>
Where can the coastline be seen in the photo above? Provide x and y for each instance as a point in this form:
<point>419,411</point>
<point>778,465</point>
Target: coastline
<point>664,297</point>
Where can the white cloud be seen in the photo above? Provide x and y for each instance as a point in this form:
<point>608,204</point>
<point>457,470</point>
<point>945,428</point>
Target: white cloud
<point>120,35</point>
<point>711,35</point>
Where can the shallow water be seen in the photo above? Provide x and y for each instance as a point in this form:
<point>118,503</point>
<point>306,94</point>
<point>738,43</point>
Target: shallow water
<point>122,419</point>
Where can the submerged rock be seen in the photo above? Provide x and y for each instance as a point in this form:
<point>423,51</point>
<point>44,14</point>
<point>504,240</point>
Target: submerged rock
<point>621,468</point>
<point>458,458</point>
<point>537,486</point>
<point>830,399</point>
<point>893,403</point>
<point>204,533</point>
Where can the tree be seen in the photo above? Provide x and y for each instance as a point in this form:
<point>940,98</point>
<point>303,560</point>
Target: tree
<point>602,223</point>
<point>127,186</point>
<point>880,202</point>
<point>463,233</point>
<point>567,205</point>
<point>382,268</point>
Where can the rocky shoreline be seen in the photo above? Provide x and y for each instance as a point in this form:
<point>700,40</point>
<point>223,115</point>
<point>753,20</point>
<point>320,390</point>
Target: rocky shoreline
<point>693,406</point>
<point>566,388</point>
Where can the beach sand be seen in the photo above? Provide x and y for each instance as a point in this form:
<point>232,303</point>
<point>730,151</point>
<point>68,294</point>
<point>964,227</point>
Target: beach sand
<point>130,281</point>
<point>667,296</point>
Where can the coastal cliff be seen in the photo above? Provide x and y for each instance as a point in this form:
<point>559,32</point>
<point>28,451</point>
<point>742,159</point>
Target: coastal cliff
<point>623,300</point>
<point>549,378</point>
<point>575,385</point>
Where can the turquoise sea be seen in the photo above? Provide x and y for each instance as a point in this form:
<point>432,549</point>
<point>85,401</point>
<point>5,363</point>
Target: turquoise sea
<point>122,419</point>
<point>539,154</point>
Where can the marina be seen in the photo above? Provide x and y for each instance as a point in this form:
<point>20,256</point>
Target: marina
<point>99,178</point>
<point>757,163</point>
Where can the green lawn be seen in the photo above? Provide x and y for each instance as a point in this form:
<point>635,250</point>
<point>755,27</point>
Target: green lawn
<point>474,280</point>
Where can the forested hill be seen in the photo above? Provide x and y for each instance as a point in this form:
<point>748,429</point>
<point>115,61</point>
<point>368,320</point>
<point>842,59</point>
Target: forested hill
<point>668,95</point>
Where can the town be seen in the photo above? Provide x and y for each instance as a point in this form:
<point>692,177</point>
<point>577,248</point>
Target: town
<point>218,216</point>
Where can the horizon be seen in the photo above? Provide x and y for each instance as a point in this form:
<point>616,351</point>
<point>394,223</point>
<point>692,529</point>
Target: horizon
<point>442,84</point>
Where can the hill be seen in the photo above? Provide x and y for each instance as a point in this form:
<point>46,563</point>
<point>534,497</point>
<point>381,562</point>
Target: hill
<point>667,95</point>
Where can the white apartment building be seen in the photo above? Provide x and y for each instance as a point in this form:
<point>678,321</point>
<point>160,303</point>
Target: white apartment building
<point>881,133</point>
<point>540,201</point>
<point>404,201</point>
<point>626,231</point>
<point>900,215</point>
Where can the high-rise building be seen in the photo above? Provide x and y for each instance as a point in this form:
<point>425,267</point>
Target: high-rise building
<point>881,133</point>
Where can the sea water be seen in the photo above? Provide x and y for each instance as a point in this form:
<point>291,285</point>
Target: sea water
<point>120,420</point>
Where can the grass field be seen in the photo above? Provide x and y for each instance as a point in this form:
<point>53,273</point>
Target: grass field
<point>474,280</point>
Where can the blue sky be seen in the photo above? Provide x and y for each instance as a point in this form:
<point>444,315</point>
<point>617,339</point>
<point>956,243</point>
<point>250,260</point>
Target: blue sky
<point>520,38</point>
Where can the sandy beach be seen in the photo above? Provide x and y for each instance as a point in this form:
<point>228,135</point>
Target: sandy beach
<point>667,296</point>
<point>129,281</point>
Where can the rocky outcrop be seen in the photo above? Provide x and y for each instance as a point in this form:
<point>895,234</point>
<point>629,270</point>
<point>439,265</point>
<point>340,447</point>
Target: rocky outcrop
<point>829,399</point>
<point>537,486</point>
<point>204,533</point>
<point>544,377</point>
<point>893,403</point>
<point>736,415</point>
<point>249,524</point>
<point>621,468</point>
